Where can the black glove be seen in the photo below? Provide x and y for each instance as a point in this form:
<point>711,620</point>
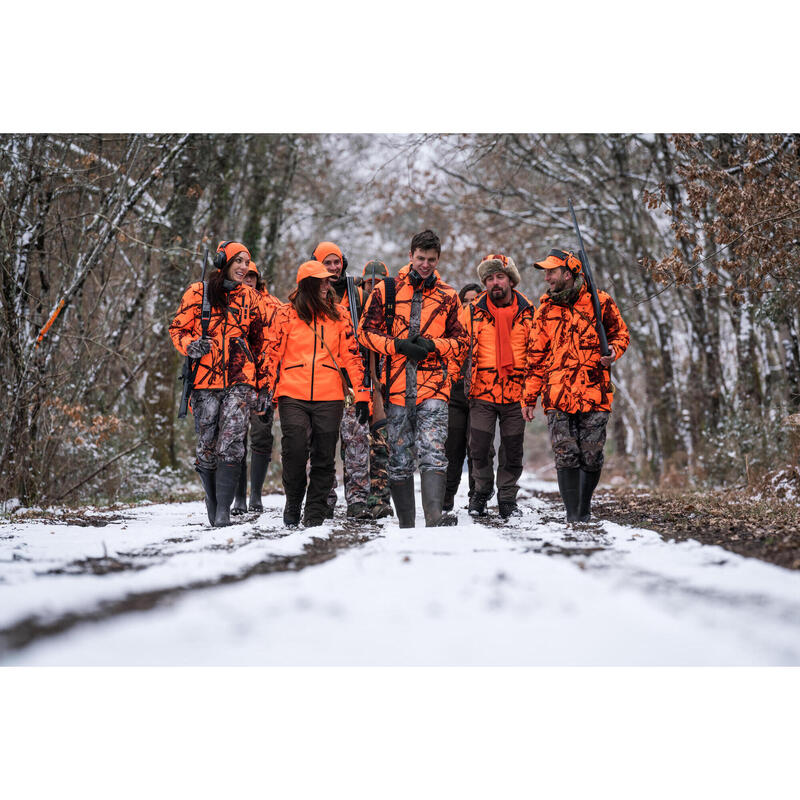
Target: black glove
<point>198,348</point>
<point>413,352</point>
<point>362,412</point>
<point>264,399</point>
<point>421,341</point>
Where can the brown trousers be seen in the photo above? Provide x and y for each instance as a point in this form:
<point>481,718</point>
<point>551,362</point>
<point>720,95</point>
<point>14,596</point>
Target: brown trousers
<point>483,417</point>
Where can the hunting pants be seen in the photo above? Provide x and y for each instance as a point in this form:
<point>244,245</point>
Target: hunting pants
<point>220,421</point>
<point>309,427</point>
<point>378,469</point>
<point>483,417</point>
<point>419,436</point>
<point>578,439</point>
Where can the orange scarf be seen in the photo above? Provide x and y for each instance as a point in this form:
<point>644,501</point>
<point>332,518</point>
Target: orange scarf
<point>503,318</point>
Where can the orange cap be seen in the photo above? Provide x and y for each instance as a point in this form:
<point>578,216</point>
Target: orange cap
<point>252,268</point>
<point>561,258</point>
<point>312,269</point>
<point>231,250</point>
<point>324,249</point>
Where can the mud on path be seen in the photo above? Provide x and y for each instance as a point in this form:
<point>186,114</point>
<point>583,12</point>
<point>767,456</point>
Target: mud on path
<point>265,527</point>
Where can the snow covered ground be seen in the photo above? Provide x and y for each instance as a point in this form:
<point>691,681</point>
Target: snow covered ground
<point>173,591</point>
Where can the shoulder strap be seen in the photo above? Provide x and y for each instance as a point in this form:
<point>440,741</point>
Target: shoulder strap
<point>390,289</point>
<point>468,373</point>
<point>205,311</point>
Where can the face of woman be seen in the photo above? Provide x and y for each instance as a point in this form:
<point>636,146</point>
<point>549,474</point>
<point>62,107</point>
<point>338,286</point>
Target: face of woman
<point>324,286</point>
<point>237,268</point>
<point>251,280</point>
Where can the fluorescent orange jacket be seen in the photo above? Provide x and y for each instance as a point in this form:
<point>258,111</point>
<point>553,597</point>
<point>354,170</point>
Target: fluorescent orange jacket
<point>438,322</point>
<point>566,354</point>
<point>485,383</point>
<point>299,364</point>
<point>237,333</point>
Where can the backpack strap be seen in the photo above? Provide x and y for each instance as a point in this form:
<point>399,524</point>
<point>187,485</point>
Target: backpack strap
<point>390,296</point>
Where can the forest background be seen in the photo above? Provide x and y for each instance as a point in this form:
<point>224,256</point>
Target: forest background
<point>695,236</point>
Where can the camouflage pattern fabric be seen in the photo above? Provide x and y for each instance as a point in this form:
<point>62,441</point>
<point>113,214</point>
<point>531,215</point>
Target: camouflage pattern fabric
<point>420,438</point>
<point>411,366</point>
<point>355,457</point>
<point>578,439</point>
<point>379,492</point>
<point>221,417</point>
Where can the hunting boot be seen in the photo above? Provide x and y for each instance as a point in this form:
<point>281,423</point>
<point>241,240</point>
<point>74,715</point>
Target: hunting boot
<point>568,481</point>
<point>240,498</point>
<point>586,486</point>
<point>291,513</point>
<point>259,464</point>
<point>403,499</point>
<point>207,478</point>
<point>433,484</point>
<point>448,502</point>
<point>358,511</point>
<point>227,478</point>
<point>477,504</point>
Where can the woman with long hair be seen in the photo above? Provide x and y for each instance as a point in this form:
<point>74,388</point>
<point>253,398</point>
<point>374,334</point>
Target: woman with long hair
<point>312,364</point>
<point>229,356</point>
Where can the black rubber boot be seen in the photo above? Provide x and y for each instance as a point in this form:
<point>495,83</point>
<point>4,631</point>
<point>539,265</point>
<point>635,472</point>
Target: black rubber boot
<point>240,497</point>
<point>259,464</point>
<point>568,480</point>
<point>586,486</point>
<point>433,485</point>
<point>403,499</point>
<point>209,487</point>
<point>227,478</point>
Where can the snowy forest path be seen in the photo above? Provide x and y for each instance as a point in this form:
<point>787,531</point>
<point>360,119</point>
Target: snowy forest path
<point>158,586</point>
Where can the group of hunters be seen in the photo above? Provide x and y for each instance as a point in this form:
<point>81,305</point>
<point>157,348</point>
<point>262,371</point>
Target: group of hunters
<point>404,372</point>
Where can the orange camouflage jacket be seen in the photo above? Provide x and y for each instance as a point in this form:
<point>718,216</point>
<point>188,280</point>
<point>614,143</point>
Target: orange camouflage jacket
<point>237,333</point>
<point>565,351</point>
<point>439,322</point>
<point>485,383</point>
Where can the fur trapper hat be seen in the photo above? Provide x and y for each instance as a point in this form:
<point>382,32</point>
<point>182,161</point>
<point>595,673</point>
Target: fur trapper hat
<point>498,263</point>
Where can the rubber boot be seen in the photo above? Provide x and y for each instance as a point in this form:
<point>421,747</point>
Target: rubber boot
<point>227,478</point>
<point>403,499</point>
<point>433,485</point>
<point>586,486</point>
<point>259,464</point>
<point>209,487</point>
<point>240,498</point>
<point>568,480</point>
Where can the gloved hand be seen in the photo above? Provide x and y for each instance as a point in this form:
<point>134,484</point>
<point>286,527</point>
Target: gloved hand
<point>421,341</point>
<point>198,348</point>
<point>264,399</point>
<point>362,412</point>
<point>413,352</point>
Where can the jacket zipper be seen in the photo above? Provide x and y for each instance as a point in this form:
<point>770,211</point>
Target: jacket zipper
<point>224,328</point>
<point>313,360</point>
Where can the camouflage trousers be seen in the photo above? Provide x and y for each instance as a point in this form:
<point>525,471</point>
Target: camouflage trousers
<point>221,417</point>
<point>416,437</point>
<point>378,469</point>
<point>578,439</point>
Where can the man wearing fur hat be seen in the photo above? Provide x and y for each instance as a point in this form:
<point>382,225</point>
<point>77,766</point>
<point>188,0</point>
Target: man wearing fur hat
<point>572,377</point>
<point>499,324</point>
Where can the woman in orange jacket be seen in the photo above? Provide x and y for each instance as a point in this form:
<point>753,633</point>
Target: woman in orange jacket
<point>260,424</point>
<point>229,353</point>
<point>311,346</point>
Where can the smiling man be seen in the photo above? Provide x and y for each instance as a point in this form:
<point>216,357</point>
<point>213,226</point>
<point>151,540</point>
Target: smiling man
<point>414,324</point>
<point>572,377</point>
